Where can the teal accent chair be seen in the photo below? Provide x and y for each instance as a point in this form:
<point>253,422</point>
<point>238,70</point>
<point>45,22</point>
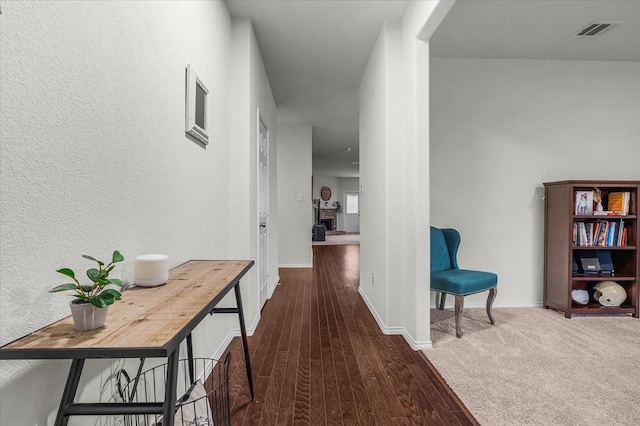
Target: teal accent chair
<point>447,278</point>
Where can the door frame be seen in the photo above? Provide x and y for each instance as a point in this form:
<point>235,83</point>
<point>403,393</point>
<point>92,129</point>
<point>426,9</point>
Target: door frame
<point>344,219</point>
<point>262,261</point>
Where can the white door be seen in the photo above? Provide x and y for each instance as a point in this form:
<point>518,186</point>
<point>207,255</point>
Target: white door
<point>351,212</point>
<point>263,209</point>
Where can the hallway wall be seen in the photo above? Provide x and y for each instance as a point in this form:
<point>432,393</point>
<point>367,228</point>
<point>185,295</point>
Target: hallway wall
<point>394,174</point>
<point>94,157</point>
<point>251,92</point>
<point>294,196</point>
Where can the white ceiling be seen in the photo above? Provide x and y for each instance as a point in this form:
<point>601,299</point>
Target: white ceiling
<point>538,29</point>
<point>315,51</point>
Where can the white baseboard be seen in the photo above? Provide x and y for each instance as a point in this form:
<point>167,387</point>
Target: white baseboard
<point>415,345</point>
<point>234,332</point>
<point>252,328</point>
<point>483,305</point>
<point>273,286</point>
<point>225,344</point>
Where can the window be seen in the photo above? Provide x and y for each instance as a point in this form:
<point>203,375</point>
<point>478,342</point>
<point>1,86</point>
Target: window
<point>352,204</point>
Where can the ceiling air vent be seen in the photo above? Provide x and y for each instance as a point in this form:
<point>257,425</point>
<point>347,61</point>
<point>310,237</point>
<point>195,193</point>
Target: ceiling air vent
<point>597,28</point>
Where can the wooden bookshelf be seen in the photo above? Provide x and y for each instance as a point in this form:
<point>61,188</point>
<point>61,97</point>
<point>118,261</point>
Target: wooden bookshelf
<point>571,231</point>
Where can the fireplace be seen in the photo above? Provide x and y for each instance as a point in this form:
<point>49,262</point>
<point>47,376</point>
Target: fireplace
<point>329,218</point>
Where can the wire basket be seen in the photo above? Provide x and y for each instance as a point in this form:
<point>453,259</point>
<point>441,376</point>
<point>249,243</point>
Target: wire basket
<point>203,402</point>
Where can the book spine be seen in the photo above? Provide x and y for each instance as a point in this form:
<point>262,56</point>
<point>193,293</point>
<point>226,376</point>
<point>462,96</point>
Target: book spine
<point>602,234</point>
<point>619,233</point>
<point>627,202</point>
<point>611,234</point>
<point>583,235</point>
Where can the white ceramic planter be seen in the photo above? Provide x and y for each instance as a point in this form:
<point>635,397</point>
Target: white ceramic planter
<point>88,317</point>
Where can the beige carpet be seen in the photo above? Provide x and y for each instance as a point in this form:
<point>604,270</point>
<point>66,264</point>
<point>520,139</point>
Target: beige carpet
<point>535,367</point>
<point>339,240</point>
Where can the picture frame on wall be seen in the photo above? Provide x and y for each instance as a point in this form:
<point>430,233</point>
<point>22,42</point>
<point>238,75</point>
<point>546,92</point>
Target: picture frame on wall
<point>197,109</point>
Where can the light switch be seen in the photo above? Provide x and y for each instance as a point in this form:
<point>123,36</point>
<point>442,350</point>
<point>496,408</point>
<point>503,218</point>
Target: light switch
<point>300,197</point>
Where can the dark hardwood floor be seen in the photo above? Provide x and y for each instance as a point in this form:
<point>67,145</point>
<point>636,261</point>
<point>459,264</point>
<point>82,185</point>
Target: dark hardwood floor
<point>318,357</point>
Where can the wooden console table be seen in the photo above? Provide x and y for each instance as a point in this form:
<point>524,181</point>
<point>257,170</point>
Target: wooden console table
<point>149,322</point>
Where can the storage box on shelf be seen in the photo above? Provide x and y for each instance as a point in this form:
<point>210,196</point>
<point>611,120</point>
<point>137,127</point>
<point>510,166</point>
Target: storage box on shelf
<point>584,246</point>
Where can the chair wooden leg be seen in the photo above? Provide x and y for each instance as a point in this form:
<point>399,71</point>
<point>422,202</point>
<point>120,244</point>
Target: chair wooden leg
<point>458,310</point>
<point>490,299</point>
<point>443,296</point>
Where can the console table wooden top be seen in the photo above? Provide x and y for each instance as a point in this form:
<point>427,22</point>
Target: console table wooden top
<point>147,322</point>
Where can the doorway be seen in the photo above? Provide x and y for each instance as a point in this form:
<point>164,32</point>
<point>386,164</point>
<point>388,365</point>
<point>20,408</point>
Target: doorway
<point>263,209</point>
<point>352,212</point>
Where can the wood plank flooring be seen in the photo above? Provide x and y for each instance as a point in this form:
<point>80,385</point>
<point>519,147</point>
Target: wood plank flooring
<point>319,357</point>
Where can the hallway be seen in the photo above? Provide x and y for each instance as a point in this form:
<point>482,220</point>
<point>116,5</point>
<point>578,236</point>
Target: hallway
<point>318,357</point>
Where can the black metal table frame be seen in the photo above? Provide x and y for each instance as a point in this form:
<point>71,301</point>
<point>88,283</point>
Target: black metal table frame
<point>69,408</point>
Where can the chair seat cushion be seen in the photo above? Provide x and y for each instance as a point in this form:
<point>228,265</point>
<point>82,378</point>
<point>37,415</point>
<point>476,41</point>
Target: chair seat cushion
<point>462,281</point>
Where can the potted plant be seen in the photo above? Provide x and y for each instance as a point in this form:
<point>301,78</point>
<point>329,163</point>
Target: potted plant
<point>89,308</point>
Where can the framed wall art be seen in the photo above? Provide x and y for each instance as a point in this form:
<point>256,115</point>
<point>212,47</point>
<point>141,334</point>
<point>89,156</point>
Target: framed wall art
<point>325,193</point>
<point>197,121</point>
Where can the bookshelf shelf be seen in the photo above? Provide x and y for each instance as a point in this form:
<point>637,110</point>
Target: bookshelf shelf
<point>605,217</point>
<point>599,278</point>
<point>574,236</point>
<point>630,248</point>
<point>598,309</point>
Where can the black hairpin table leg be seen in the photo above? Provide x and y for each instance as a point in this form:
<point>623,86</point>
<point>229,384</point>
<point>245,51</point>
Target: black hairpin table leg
<point>170,393</point>
<point>192,375</point>
<point>70,389</point>
<point>243,331</point>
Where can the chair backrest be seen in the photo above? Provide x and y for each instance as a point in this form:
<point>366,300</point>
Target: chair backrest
<point>444,249</point>
<point>440,260</point>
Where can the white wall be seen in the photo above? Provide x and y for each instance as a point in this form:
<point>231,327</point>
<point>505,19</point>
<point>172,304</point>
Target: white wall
<point>394,173</point>
<point>333,182</point>
<point>374,214</point>
<point>94,158</point>
<point>252,92</point>
<point>349,185</point>
<point>500,128</point>
<point>294,196</point>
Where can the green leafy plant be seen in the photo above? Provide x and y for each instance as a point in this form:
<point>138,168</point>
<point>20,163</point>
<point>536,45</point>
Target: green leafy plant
<point>97,292</point>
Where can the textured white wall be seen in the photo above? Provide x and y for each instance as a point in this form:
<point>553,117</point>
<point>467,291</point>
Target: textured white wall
<point>94,157</point>
<point>500,128</point>
<point>294,178</point>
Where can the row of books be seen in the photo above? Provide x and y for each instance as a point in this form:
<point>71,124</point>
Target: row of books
<point>604,233</point>
<point>617,203</point>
